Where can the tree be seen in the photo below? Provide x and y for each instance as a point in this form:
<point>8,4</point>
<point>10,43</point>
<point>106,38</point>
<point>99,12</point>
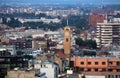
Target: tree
<point>79,41</point>
<point>41,15</point>
<point>20,53</point>
<point>14,23</point>
<point>28,57</point>
<point>78,21</point>
<point>88,43</point>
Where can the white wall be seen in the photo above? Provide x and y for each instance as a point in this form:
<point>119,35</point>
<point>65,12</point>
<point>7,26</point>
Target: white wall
<point>49,72</point>
<point>93,76</point>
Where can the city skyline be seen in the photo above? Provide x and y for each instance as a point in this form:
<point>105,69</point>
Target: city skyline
<point>36,40</point>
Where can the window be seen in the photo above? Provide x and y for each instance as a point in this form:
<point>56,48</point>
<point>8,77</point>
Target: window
<point>110,76</point>
<point>44,65</point>
<point>82,69</point>
<point>89,69</point>
<point>110,70</point>
<point>89,63</point>
<point>96,63</point>
<point>104,70</point>
<point>118,63</point>
<point>96,69</point>
<point>110,63</point>
<point>41,65</point>
<point>67,40</point>
<point>118,70</point>
<point>103,63</point>
<point>117,76</point>
<point>82,63</point>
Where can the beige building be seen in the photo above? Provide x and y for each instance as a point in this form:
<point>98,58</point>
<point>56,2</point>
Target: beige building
<point>38,43</point>
<point>21,74</point>
<point>5,39</point>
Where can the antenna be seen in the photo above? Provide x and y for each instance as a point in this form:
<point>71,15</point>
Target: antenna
<point>67,22</point>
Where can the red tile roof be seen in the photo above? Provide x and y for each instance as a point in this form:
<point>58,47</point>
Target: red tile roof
<point>61,54</point>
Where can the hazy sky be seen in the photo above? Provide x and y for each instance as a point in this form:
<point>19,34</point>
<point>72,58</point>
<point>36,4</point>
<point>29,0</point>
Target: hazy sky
<point>64,1</point>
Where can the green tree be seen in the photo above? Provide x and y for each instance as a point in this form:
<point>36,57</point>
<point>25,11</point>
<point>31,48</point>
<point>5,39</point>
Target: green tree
<point>90,43</point>
<point>20,53</point>
<point>42,15</point>
<point>14,23</point>
<point>79,41</point>
<point>28,57</point>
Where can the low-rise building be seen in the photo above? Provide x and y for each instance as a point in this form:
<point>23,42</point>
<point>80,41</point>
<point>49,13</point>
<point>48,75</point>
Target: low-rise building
<point>22,43</point>
<point>47,67</point>
<point>38,43</point>
<point>105,66</point>
<point>44,20</point>
<point>22,73</point>
<point>9,62</point>
<point>9,48</point>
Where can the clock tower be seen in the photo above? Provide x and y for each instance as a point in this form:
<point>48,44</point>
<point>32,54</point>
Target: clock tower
<point>67,42</point>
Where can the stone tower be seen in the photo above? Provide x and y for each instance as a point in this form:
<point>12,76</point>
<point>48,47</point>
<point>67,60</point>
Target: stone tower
<point>67,42</point>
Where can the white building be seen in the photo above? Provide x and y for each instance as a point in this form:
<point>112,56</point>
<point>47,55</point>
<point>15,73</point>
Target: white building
<point>62,12</point>
<point>46,67</point>
<point>108,33</point>
<point>114,50</point>
<point>36,52</point>
<point>53,35</point>
<point>44,20</point>
<point>9,48</point>
<point>115,53</point>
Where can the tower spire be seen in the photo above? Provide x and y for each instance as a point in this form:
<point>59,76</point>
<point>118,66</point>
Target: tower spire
<point>67,22</point>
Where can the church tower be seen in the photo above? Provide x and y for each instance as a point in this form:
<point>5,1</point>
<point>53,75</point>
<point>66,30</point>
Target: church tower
<point>67,42</point>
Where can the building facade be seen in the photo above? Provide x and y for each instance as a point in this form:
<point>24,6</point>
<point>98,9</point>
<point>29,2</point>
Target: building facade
<point>95,18</point>
<point>38,43</point>
<point>108,67</point>
<point>9,48</point>
<point>10,62</point>
<point>49,68</point>
<point>108,34</point>
<point>22,43</point>
<point>21,74</point>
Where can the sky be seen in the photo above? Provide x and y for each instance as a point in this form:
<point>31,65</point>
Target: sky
<point>65,1</point>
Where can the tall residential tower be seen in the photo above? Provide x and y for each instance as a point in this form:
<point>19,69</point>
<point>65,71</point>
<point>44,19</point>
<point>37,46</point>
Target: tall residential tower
<point>108,33</point>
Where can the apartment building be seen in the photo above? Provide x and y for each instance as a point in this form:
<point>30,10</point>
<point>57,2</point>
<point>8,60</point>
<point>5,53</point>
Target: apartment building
<point>108,33</point>
<point>105,66</point>
<point>95,18</point>
<point>22,43</point>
